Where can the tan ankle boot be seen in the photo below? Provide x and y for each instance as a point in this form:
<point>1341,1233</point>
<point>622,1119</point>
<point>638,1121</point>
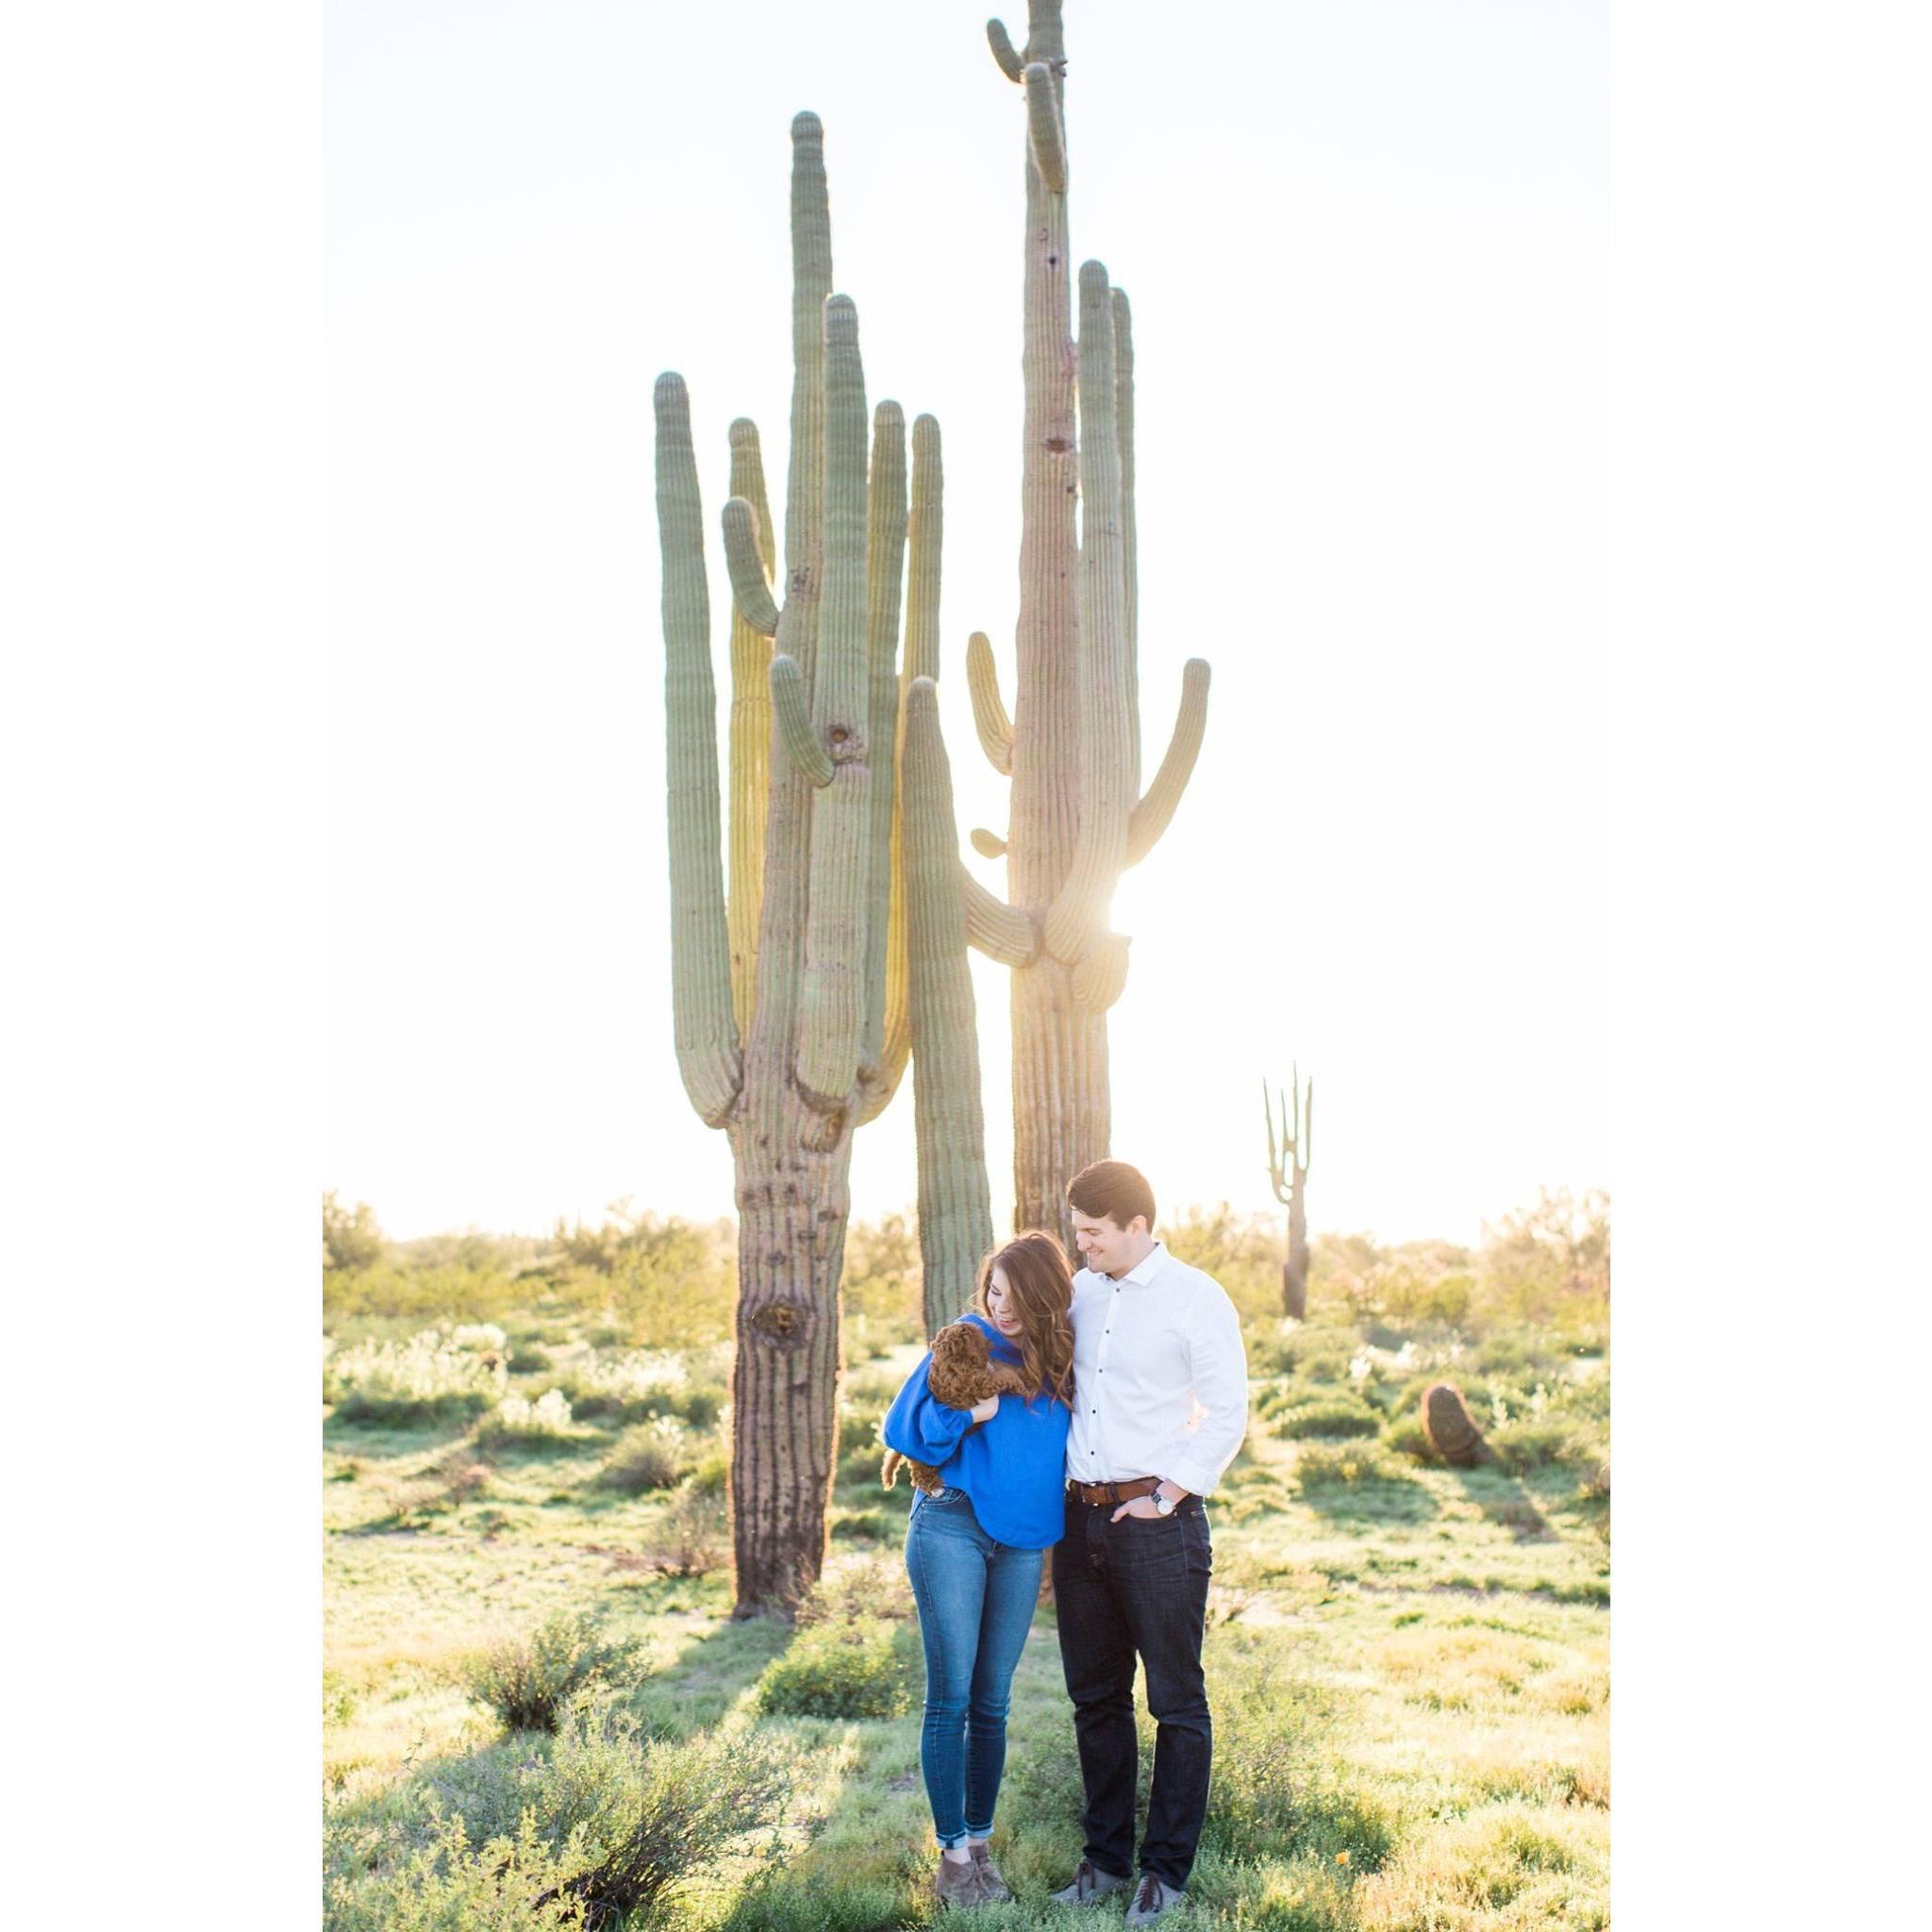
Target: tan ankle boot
<point>993,1884</point>
<point>958,1886</point>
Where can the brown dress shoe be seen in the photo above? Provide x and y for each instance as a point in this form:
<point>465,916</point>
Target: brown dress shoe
<point>958,1886</point>
<point>994,1888</point>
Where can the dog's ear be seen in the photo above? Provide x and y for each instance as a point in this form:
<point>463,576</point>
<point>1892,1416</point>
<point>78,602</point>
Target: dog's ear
<point>958,1377</point>
<point>1007,1380</point>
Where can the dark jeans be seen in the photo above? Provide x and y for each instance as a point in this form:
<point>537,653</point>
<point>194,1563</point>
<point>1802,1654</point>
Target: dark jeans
<point>1139,1586</point>
<point>975,1600</point>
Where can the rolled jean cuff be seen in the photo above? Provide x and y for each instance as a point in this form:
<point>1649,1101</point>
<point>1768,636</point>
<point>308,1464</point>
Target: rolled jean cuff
<point>951,1840</point>
<point>979,1831</point>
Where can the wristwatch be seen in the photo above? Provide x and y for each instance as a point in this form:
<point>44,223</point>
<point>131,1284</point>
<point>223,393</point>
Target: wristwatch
<point>1164,1506</point>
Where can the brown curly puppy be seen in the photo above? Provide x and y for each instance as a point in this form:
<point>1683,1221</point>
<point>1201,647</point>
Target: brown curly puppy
<point>964,1375</point>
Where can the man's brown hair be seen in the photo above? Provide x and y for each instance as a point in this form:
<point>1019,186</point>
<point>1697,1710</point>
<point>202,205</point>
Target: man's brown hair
<point>1112,1191</point>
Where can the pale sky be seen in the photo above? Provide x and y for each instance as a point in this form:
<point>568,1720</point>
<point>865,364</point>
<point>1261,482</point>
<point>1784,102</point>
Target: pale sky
<point>1366,248</point>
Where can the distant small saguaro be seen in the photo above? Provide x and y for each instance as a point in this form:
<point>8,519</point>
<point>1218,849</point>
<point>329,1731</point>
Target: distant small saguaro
<point>1288,1169</point>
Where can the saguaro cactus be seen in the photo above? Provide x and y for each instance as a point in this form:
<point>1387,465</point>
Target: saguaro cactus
<point>1288,1169</point>
<point>1071,742</point>
<point>795,1002</point>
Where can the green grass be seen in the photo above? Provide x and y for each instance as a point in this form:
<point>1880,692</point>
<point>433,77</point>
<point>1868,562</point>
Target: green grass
<point>1408,1666</point>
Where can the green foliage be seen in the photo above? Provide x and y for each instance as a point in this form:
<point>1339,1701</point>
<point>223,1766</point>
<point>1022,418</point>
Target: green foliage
<point>434,1376</point>
<point>638,1814</point>
<point>1545,1265</point>
<point>850,1668</point>
<point>1327,1418</point>
<point>351,1240</point>
<point>1317,1464</point>
<point>508,1884</point>
<point>693,1537</point>
<point>664,1282</point>
<point>583,1830</point>
<point>517,1423</point>
<point>880,1293</point>
<point>652,1455</point>
<point>529,1679</point>
<point>645,1382</point>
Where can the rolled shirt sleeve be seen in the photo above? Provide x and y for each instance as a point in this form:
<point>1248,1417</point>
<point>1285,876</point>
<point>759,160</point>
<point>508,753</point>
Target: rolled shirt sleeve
<point>1219,1368</point>
<point>919,1425</point>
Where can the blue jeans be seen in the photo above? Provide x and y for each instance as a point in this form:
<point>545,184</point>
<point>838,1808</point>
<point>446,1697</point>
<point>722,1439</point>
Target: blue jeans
<point>975,1602</point>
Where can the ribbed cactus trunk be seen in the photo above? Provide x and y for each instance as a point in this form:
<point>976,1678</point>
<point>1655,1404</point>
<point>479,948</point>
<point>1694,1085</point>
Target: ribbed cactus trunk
<point>1071,746</point>
<point>1062,1111</point>
<point>1295,1271</point>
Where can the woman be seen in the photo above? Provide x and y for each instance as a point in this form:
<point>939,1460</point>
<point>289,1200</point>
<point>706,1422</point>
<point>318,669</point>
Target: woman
<point>974,1549</point>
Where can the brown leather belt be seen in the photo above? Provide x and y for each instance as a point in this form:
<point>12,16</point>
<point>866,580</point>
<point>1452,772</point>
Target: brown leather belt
<point>1095,1494</point>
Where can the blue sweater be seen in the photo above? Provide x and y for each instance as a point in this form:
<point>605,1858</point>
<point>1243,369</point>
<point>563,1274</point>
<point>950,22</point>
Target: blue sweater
<point>1014,1467</point>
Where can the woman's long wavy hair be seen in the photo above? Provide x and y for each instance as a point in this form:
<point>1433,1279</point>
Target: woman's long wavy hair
<point>1041,1288</point>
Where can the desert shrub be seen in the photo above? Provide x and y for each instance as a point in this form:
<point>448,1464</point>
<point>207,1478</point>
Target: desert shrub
<point>643,1383</point>
<point>847,1668</point>
<point>529,1679</point>
<point>651,1455</point>
<point>694,1535</point>
<point>859,1427</point>
<point>1319,1464</point>
<point>1530,1443</point>
<point>1328,1419</point>
<point>508,1884</point>
<point>603,1818</point>
<point>710,1473</point>
<point>638,1814</point>
<point>861,1525</point>
<point>528,1358</point>
<point>880,1292</point>
<point>656,1281</point>
<point>431,1377</point>
<point>521,1424</point>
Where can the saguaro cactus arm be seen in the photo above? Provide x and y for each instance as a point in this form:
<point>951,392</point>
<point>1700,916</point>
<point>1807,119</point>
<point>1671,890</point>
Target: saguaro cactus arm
<point>1012,65</point>
<point>831,993</point>
<point>925,531</point>
<point>708,1056</point>
<point>989,718</point>
<point>955,1205</point>
<point>884,571</point>
<point>1278,1178</point>
<point>1123,419</point>
<point>1079,910</point>
<point>1150,817</point>
<point>795,730</point>
<point>750,591</point>
<point>1044,126</point>
<point>750,737</point>
<point>994,927</point>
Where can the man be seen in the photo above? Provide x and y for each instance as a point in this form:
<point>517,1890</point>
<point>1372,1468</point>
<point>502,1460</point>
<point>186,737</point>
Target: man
<point>1160,1383</point>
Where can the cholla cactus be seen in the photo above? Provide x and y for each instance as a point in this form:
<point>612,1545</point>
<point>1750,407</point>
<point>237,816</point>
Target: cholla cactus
<point>1072,743</point>
<point>1288,1172</point>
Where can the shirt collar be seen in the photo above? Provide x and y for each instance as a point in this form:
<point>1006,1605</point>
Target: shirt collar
<point>1148,1266</point>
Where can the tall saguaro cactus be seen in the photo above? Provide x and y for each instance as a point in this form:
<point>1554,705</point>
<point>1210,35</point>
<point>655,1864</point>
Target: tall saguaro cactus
<point>1288,1170</point>
<point>1071,742</point>
<point>792,996</point>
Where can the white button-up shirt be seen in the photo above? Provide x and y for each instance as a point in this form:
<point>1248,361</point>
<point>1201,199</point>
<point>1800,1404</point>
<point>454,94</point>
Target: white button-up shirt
<point>1161,1378</point>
